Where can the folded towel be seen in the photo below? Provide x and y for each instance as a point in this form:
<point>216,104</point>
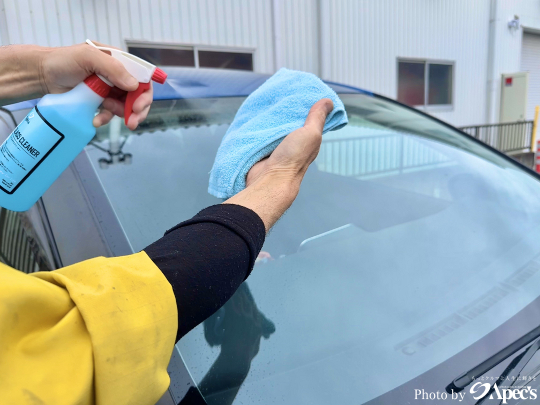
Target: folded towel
<point>268,115</point>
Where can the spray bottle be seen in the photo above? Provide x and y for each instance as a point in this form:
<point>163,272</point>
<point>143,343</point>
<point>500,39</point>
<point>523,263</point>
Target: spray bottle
<point>57,130</point>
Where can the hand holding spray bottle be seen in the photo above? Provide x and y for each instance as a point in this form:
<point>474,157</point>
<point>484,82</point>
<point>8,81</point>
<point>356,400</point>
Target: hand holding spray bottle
<point>57,130</point>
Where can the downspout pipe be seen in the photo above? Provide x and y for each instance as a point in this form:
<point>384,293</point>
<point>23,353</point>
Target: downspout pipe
<point>319,39</point>
<point>276,26</point>
<point>492,77</point>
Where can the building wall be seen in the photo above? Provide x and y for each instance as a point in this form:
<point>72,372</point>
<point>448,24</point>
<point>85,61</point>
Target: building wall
<point>507,50</point>
<point>356,42</point>
<point>298,41</point>
<point>364,42</point>
<point>238,23</point>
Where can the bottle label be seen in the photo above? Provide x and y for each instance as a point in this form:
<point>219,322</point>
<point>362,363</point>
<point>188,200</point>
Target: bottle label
<point>24,150</point>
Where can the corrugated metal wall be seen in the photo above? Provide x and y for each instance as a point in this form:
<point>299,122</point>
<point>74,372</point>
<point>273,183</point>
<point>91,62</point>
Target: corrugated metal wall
<point>356,42</point>
<point>298,26</point>
<point>365,39</point>
<point>238,23</point>
<point>530,62</point>
<point>508,49</point>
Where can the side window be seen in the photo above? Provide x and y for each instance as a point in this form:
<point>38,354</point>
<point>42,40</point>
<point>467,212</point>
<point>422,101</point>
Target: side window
<point>19,246</point>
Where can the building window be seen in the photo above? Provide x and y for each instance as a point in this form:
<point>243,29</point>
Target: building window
<point>165,56</point>
<point>425,83</point>
<point>226,60</point>
<point>192,56</point>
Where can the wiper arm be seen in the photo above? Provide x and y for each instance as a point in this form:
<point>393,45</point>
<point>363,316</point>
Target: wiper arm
<point>525,357</point>
<point>463,380</point>
<point>515,367</point>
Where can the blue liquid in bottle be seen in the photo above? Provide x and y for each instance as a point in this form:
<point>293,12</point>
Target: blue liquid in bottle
<point>44,144</point>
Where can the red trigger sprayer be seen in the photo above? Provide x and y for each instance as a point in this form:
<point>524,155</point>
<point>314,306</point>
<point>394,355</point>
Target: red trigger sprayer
<point>140,69</point>
<point>57,129</point>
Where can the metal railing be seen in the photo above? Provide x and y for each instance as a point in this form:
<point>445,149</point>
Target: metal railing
<point>506,137</point>
<point>393,152</point>
<point>376,155</point>
<point>381,152</point>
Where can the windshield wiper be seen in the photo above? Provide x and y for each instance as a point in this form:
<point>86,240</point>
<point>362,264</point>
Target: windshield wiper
<point>515,367</point>
<point>466,378</point>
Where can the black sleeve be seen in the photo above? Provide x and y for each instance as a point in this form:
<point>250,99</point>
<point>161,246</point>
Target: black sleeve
<point>206,258</point>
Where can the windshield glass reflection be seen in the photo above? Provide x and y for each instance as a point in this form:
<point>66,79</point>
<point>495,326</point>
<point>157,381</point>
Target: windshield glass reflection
<point>407,243</point>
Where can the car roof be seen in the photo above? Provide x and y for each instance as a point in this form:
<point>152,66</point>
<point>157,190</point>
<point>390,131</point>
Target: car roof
<point>203,83</point>
<point>185,83</point>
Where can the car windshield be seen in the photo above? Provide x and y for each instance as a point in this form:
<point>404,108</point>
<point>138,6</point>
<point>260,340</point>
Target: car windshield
<point>408,243</point>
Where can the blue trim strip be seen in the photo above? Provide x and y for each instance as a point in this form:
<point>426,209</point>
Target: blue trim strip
<point>368,93</point>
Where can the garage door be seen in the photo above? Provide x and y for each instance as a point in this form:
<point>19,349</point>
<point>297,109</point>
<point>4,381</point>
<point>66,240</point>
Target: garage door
<point>530,62</point>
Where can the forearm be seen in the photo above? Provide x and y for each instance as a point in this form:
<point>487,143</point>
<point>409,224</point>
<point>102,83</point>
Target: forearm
<point>269,196</point>
<point>20,76</point>
<point>206,258</point>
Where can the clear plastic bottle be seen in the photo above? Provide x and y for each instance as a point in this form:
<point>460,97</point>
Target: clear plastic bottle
<point>56,131</point>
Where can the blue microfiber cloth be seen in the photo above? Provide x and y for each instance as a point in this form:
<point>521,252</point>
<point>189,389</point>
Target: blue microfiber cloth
<point>270,113</point>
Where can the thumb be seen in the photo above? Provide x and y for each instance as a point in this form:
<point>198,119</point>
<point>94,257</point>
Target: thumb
<point>317,115</point>
<point>105,65</point>
<point>300,147</point>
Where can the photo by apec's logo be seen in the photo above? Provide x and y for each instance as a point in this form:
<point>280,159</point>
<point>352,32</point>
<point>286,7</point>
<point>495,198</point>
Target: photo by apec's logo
<point>479,391</point>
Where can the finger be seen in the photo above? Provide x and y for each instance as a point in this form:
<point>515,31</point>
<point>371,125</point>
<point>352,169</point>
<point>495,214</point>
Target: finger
<point>133,122</point>
<point>143,101</point>
<point>113,105</point>
<point>317,115</point>
<point>105,65</point>
<point>135,119</point>
<point>102,118</point>
<point>117,94</point>
<point>141,116</point>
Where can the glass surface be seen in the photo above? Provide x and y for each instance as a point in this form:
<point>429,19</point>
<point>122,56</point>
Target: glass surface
<point>19,244</point>
<point>226,60</point>
<point>440,84</point>
<point>411,83</point>
<point>165,56</point>
<point>408,243</point>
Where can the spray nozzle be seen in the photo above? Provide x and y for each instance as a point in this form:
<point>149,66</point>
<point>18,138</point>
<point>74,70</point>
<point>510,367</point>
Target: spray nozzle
<point>142,70</point>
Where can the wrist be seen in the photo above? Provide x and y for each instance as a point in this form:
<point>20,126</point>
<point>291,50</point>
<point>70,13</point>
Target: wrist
<point>21,73</point>
<point>269,196</point>
<point>284,184</point>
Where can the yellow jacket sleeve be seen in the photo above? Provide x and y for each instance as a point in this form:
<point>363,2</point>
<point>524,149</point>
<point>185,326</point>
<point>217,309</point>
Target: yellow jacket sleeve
<point>97,332</point>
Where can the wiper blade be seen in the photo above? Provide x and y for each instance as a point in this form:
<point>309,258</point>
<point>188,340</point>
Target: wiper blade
<point>515,367</point>
<point>463,380</point>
